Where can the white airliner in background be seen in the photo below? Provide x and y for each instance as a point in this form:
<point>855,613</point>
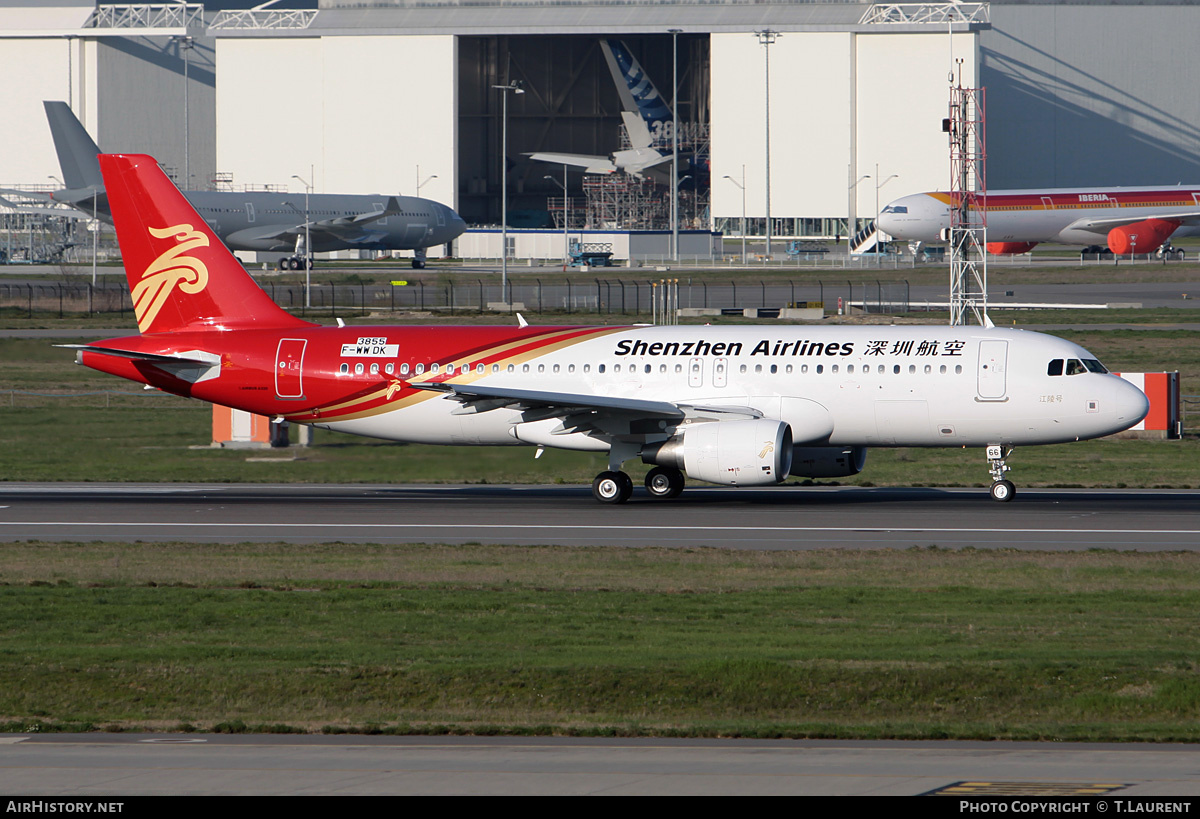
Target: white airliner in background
<point>1129,220</point>
<point>738,406</point>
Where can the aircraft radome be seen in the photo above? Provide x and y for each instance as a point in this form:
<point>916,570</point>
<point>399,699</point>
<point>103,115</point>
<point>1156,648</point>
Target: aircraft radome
<point>737,406</point>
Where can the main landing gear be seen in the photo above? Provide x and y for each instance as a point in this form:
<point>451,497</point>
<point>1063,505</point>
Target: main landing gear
<point>1002,489</point>
<point>662,482</point>
<point>294,263</point>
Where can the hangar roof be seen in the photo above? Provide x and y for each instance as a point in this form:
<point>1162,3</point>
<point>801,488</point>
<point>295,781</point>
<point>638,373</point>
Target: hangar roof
<point>492,17</point>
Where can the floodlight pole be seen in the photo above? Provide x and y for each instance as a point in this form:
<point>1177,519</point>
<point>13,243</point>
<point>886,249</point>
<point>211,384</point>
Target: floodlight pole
<point>515,86</point>
<point>767,37</point>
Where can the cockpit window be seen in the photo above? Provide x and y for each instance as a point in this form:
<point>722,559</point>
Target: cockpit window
<point>1075,366</point>
<point>895,209</point>
<point>1094,366</point>
<point>1055,368</point>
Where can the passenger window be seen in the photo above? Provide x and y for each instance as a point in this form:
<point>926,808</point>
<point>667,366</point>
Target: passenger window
<point>896,369</point>
<point>420,369</point>
<point>541,368</point>
<point>344,369</point>
<point>820,369</point>
<point>587,368</point>
<point>479,368</point>
<point>555,368</point>
<point>524,368</point>
<point>942,369</point>
<point>449,369</point>
<point>358,369</point>
<point>742,368</point>
<point>374,369</point>
<point>570,368</point>
<point>958,369</point>
<point>774,369</point>
<point>834,368</point>
<point>758,368</point>
<point>435,368</point>
<point>678,368</point>
<point>788,368</point>
<point>390,368</point>
<point>495,368</point>
<point>600,368</point>
<point>928,369</point>
<point>647,368</point>
<point>404,368</point>
<point>849,368</point>
<point>1055,368</point>
<point>512,368</point>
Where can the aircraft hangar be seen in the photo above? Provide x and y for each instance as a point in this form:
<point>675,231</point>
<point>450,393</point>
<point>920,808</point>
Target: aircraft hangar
<point>364,96</point>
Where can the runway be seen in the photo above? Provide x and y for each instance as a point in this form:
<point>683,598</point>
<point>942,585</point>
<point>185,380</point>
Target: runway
<point>783,518</point>
<point>94,765</point>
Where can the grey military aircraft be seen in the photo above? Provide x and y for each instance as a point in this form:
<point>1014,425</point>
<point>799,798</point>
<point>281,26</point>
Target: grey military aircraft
<point>264,220</point>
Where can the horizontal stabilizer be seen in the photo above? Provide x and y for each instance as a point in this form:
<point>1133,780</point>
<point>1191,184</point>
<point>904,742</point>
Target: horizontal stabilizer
<point>590,164</point>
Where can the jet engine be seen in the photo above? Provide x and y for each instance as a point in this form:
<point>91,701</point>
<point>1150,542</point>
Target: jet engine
<point>733,453</point>
<point>828,461</point>
<point>1145,236</point>
<point>1009,248</point>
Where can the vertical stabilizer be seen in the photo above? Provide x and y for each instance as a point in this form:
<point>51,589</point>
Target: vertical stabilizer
<point>637,92</point>
<point>76,150</point>
<point>180,274</point>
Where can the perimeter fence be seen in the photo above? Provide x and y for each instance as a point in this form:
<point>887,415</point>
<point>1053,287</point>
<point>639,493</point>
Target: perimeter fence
<point>605,296</point>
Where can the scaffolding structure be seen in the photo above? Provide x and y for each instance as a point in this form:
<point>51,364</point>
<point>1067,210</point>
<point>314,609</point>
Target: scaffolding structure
<point>622,201</point>
<point>966,126</point>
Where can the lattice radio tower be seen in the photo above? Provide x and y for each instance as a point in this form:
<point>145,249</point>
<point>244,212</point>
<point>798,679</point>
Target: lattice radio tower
<point>968,203</point>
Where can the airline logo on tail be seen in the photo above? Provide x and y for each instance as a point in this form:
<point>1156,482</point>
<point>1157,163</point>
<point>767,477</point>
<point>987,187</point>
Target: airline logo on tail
<point>172,269</point>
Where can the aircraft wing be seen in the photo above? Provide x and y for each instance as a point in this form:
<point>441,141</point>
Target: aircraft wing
<point>590,164</point>
<point>1183,217</point>
<point>66,212</point>
<point>343,228</point>
<point>579,413</point>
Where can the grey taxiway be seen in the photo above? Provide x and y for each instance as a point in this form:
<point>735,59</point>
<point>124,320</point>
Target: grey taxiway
<point>786,517</point>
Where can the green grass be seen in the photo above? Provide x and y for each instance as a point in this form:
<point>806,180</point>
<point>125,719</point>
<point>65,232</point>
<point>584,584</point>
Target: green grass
<point>169,443</point>
<point>699,642</point>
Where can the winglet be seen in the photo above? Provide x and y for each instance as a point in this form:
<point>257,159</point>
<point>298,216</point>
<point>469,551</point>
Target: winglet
<point>521,322</point>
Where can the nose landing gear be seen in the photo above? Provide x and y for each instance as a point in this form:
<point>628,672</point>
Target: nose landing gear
<point>1002,489</point>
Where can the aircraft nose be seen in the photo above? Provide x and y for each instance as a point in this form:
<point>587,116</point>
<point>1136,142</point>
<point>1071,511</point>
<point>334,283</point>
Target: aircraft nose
<point>1131,404</point>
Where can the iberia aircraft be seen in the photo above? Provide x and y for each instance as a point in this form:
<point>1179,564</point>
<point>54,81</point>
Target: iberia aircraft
<point>739,406</point>
<point>1130,220</point>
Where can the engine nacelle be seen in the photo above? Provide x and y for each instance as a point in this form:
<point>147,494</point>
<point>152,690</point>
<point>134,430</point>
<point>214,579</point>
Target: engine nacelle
<point>1144,236</point>
<point>1009,248</point>
<point>733,453</point>
<point>828,461</point>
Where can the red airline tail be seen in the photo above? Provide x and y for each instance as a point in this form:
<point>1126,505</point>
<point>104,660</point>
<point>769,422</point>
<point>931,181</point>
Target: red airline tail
<point>180,274</point>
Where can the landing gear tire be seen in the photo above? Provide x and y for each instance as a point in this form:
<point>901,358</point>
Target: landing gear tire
<point>294,263</point>
<point>1003,491</point>
<point>612,487</point>
<point>664,482</point>
<point>418,264</point>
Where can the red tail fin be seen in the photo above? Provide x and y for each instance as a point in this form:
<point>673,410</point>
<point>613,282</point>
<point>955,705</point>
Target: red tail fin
<point>180,274</point>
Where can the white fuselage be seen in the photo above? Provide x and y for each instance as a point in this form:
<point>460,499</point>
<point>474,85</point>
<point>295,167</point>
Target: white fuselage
<point>922,386</point>
<point>1079,216</point>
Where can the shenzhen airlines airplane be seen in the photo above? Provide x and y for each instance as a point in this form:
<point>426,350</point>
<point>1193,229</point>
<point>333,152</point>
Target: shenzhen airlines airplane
<point>1129,220</point>
<point>738,406</point>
